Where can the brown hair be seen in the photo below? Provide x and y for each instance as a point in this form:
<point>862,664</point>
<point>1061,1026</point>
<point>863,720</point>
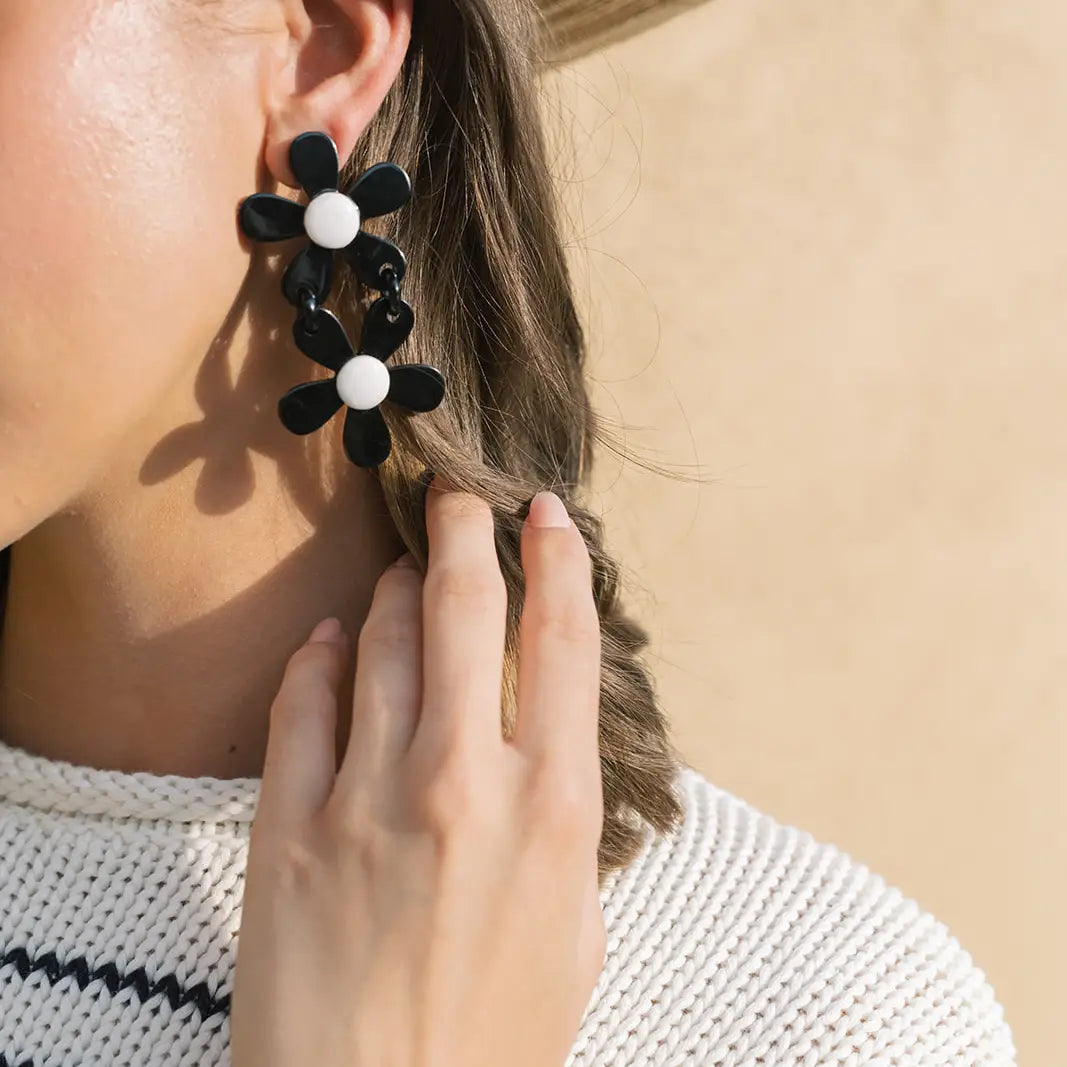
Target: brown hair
<point>495,312</point>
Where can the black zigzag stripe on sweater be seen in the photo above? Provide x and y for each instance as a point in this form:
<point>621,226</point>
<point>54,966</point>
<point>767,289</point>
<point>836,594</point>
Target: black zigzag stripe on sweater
<point>168,985</point>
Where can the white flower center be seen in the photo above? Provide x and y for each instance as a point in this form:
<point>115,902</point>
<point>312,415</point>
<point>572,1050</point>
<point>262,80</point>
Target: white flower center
<point>332,220</point>
<point>363,382</point>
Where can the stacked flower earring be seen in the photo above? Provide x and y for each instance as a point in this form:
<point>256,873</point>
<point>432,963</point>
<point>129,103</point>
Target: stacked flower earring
<point>331,220</point>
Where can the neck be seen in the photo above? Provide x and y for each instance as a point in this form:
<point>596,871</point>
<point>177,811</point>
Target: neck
<point>149,622</point>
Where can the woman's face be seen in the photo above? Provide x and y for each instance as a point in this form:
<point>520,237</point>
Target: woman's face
<point>129,132</point>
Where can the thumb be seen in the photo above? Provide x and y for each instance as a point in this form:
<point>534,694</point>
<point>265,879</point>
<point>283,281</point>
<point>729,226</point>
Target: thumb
<point>301,759</point>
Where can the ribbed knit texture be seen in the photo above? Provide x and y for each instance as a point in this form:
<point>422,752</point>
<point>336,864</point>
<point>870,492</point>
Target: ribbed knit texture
<point>735,942</point>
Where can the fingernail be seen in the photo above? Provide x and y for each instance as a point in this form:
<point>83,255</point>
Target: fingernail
<point>546,509</point>
<point>327,630</point>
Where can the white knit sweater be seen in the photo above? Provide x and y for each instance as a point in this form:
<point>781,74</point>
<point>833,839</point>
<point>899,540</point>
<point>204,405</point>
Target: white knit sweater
<point>736,942</point>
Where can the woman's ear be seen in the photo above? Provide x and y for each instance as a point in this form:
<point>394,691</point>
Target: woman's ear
<point>343,57</point>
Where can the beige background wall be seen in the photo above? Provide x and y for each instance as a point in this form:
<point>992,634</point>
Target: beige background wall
<point>824,248</point>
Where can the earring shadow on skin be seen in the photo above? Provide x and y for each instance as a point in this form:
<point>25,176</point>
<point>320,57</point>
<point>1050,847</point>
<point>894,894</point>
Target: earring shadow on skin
<point>241,416</point>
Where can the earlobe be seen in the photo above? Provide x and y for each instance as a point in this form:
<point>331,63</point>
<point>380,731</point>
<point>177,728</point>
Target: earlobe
<point>345,56</point>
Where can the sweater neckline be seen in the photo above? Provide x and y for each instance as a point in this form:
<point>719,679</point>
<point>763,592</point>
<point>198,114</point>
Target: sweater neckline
<point>46,784</point>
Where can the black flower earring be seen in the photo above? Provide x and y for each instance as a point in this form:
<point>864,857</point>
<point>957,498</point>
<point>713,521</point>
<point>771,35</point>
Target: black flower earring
<point>331,220</point>
<point>360,381</point>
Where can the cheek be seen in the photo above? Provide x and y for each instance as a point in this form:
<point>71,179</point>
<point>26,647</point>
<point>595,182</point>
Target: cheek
<point>127,151</point>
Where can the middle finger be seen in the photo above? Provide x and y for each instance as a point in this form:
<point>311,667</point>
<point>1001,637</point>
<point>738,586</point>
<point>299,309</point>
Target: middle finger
<point>464,620</point>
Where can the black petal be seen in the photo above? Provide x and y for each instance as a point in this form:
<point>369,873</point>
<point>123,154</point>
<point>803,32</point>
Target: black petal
<point>311,268</point>
<point>379,336</point>
<point>308,407</point>
<point>267,217</point>
<point>327,344</point>
<point>366,437</point>
<point>381,189</point>
<point>313,158</point>
<point>416,386</point>
<point>368,254</point>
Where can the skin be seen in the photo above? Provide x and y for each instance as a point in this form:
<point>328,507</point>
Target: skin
<point>434,902</point>
<point>168,526</point>
<point>432,897</point>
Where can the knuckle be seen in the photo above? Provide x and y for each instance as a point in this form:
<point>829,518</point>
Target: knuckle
<point>571,619</point>
<point>388,632</point>
<point>351,821</point>
<point>466,584</point>
<point>313,658</point>
<point>448,799</point>
<point>283,710</point>
<point>303,693</point>
<point>563,809</point>
<point>297,712</point>
<point>397,576</point>
<point>294,864</point>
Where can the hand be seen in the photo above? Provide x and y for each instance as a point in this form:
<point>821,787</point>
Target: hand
<point>434,901</point>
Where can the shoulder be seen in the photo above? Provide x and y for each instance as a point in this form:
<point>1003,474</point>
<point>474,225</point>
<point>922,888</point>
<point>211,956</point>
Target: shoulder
<point>738,940</point>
